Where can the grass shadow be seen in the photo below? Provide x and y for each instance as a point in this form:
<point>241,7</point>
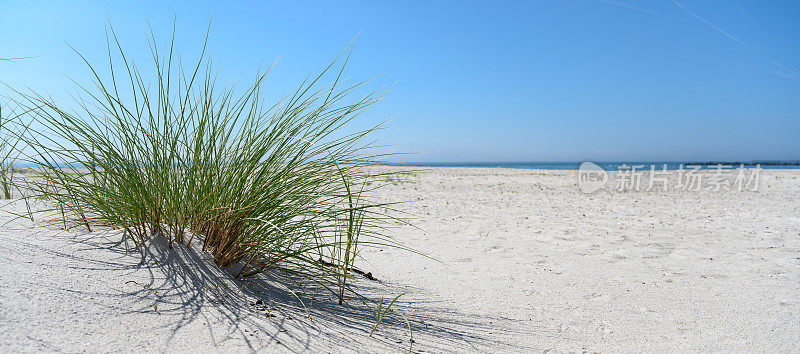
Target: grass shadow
<point>182,286</point>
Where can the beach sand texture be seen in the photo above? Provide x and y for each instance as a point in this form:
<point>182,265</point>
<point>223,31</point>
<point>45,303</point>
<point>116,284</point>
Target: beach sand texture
<point>522,260</point>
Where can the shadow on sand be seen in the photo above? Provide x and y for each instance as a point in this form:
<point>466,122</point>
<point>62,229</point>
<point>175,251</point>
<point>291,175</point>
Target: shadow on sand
<point>272,310</point>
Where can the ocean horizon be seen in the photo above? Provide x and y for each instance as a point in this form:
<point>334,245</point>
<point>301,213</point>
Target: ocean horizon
<point>611,166</point>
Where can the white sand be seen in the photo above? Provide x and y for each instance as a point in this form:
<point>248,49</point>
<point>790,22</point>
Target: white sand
<point>527,263</point>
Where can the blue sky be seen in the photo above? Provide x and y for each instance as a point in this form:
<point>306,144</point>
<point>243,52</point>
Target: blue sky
<point>563,80</point>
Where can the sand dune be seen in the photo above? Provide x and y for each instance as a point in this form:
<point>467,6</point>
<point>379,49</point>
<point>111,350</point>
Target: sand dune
<point>522,261</point>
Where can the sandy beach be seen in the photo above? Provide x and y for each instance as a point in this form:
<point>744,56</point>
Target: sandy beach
<point>519,260</point>
<point>400,177</point>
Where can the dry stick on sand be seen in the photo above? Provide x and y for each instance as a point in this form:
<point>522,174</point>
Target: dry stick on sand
<point>367,275</point>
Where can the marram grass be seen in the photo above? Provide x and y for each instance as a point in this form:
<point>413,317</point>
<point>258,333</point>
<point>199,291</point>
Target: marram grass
<point>10,139</point>
<point>282,186</point>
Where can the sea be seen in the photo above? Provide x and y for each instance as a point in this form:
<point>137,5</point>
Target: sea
<point>614,166</point>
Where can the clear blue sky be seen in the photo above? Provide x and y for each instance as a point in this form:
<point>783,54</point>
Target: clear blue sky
<point>485,81</point>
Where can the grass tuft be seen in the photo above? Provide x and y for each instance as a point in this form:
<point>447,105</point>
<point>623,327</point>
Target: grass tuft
<point>260,186</point>
<point>10,139</point>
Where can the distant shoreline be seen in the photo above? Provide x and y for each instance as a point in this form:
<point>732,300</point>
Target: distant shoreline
<point>610,166</point>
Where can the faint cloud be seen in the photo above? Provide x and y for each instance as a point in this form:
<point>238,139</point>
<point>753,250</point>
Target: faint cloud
<point>629,6</point>
<point>784,72</point>
<point>430,22</point>
<point>791,73</point>
<point>604,151</point>
<point>715,27</point>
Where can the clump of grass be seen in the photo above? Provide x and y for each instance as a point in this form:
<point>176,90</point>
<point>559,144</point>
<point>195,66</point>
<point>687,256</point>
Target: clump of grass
<point>6,167</point>
<point>260,186</point>
<point>344,250</point>
<point>9,140</point>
